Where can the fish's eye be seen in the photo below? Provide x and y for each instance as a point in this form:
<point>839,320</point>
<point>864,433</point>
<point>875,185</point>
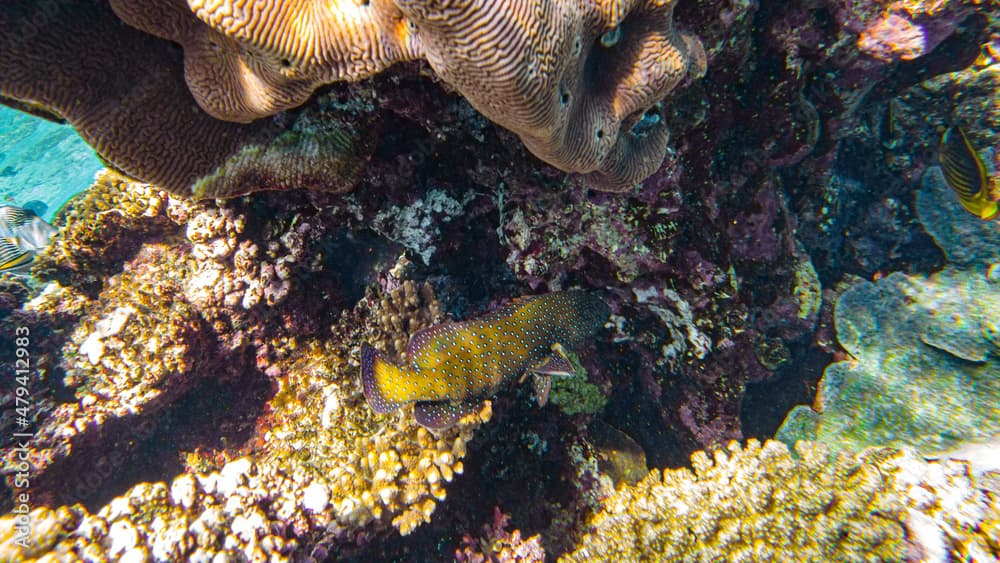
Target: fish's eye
<point>611,37</point>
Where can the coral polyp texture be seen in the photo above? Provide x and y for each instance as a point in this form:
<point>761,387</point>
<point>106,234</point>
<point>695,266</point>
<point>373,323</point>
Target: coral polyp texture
<point>761,503</point>
<point>925,350</point>
<point>752,503</point>
<point>244,60</point>
<point>571,78</point>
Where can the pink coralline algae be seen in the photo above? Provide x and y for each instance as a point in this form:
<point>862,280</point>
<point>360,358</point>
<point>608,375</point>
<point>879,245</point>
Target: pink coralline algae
<point>498,545</point>
<point>893,37</point>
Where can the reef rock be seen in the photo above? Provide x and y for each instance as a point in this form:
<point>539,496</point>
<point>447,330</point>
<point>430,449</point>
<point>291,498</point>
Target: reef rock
<point>925,350</point>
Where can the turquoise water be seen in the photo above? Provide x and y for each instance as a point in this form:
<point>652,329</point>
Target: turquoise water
<point>42,160</point>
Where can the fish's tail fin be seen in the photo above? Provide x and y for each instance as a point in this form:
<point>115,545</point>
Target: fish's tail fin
<point>373,371</point>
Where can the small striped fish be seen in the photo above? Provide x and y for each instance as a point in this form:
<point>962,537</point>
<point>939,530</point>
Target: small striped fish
<point>966,174</point>
<point>22,235</point>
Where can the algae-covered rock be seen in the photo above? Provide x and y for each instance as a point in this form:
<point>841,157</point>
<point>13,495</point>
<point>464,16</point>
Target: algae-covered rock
<point>925,351</point>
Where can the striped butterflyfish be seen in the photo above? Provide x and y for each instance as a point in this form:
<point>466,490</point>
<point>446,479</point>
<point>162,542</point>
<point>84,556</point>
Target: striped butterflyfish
<point>12,257</point>
<point>451,368</point>
<point>965,173</point>
<point>22,235</point>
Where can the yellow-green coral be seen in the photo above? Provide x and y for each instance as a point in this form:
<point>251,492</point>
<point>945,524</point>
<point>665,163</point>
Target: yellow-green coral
<point>98,226</point>
<point>575,394</point>
<point>752,503</point>
<point>319,462</point>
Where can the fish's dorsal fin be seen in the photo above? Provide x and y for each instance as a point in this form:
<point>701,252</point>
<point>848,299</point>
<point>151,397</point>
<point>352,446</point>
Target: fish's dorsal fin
<point>441,415</point>
<point>14,216</point>
<point>13,256</point>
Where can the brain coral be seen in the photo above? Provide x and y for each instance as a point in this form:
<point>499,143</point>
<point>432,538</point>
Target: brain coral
<point>925,366</point>
<point>125,93</point>
<point>255,59</point>
<point>572,79</point>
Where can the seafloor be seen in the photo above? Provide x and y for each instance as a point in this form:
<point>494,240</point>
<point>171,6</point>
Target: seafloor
<point>802,358</point>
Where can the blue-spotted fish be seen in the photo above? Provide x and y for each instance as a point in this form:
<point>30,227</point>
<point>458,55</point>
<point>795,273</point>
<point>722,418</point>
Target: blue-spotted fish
<point>451,368</point>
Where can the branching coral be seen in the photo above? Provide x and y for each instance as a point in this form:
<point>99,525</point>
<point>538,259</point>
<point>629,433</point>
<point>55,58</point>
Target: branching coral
<point>753,503</point>
<point>499,545</point>
<point>207,295</point>
<point>952,510</point>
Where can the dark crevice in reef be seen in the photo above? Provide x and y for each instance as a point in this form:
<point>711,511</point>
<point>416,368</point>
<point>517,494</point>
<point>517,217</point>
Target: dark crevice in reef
<point>352,258</point>
<point>213,416</point>
<point>767,403</point>
<point>955,53</point>
<point>469,270</point>
<point>516,463</point>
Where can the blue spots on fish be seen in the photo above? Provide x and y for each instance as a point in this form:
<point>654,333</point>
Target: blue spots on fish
<point>439,415</point>
<point>369,361</point>
<point>451,365</point>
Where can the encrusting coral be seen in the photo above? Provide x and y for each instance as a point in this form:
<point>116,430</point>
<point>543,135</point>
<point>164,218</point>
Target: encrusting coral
<point>925,366</point>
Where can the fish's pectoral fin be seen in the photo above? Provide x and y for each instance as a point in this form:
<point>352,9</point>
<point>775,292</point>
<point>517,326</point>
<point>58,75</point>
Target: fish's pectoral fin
<point>441,415</point>
<point>371,365</point>
<point>556,364</point>
<point>542,384</point>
